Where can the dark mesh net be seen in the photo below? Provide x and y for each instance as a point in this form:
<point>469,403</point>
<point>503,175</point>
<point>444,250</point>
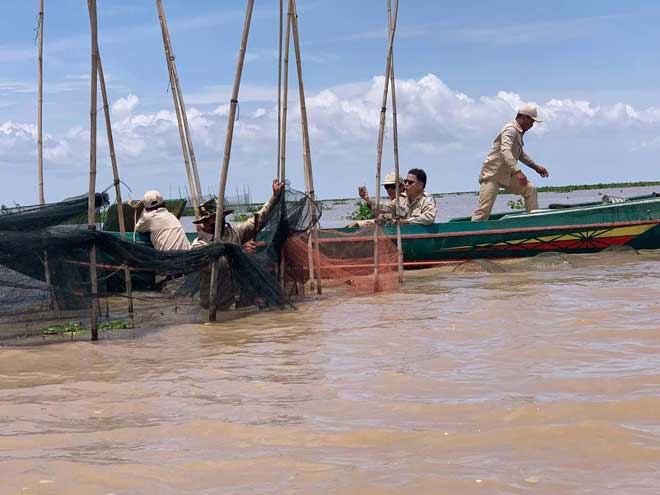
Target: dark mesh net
<point>36,217</point>
<point>30,256</point>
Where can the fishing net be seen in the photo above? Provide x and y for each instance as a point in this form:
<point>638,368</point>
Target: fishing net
<point>45,272</point>
<point>36,217</point>
<point>345,258</point>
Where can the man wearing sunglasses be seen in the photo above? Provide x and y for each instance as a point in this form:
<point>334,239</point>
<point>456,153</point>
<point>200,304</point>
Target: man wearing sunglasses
<point>387,207</point>
<point>420,205</point>
<point>500,169</point>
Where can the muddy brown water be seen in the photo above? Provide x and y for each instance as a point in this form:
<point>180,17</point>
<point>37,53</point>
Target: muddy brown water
<point>517,382</point>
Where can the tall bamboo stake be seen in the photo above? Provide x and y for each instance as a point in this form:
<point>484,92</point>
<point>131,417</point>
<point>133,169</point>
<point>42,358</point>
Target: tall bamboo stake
<point>307,156</point>
<point>381,133</point>
<point>283,102</point>
<point>395,141</point>
<point>219,218</point>
<point>184,115</point>
<point>91,202</point>
<point>285,99</point>
<point>40,140</point>
<point>279,89</point>
<point>178,109</point>
<point>40,100</point>
<point>115,173</point>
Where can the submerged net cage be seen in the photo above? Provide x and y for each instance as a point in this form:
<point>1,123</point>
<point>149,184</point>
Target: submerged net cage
<point>346,258</point>
<point>45,282</point>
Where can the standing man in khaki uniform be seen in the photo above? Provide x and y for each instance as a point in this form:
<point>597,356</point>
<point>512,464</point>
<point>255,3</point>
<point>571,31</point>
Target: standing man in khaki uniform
<point>500,169</point>
<point>420,205</point>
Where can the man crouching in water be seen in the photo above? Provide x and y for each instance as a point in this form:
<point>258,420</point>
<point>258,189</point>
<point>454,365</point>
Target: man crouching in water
<point>243,234</point>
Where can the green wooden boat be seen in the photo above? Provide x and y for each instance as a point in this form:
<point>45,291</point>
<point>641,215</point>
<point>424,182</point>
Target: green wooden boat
<point>581,228</point>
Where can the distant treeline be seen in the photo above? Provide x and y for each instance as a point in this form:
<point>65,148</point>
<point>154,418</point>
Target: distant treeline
<point>329,203</point>
<point>571,187</point>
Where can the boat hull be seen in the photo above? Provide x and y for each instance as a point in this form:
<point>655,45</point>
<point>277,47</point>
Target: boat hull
<point>581,230</point>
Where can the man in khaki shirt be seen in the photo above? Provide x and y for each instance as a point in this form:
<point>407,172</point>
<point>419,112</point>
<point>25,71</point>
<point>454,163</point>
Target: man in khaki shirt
<point>165,229</point>
<point>387,207</point>
<point>243,234</point>
<point>500,169</point>
<point>420,205</point>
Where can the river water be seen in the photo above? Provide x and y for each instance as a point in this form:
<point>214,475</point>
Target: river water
<point>543,380</point>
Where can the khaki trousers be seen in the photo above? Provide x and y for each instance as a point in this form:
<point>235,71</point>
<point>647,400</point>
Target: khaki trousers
<point>488,190</point>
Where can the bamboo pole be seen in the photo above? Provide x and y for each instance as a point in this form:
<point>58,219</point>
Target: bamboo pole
<point>177,106</point>
<point>282,108</point>
<point>91,202</point>
<point>40,103</point>
<point>279,89</point>
<point>381,134</point>
<point>184,115</point>
<point>219,218</point>
<point>115,173</point>
<point>307,156</point>
<point>40,141</point>
<point>395,141</point>
<point>285,100</point>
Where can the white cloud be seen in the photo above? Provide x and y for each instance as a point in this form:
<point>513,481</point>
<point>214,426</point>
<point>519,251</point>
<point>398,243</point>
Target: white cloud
<point>439,127</point>
<point>124,106</point>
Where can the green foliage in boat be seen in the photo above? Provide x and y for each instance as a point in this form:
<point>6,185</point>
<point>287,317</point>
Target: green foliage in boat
<point>516,205</point>
<point>362,212</point>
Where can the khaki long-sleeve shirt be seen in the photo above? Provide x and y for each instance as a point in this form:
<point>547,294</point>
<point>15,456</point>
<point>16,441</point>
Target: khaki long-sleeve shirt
<point>388,206</point>
<point>422,210</point>
<point>166,231</point>
<point>502,161</point>
<point>240,233</point>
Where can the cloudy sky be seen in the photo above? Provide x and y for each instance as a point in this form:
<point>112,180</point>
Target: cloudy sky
<point>591,66</point>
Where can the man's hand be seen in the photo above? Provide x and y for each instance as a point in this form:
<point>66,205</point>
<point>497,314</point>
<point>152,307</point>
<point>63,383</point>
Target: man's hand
<point>362,191</point>
<point>520,177</point>
<point>277,187</point>
<point>250,247</point>
<point>542,171</point>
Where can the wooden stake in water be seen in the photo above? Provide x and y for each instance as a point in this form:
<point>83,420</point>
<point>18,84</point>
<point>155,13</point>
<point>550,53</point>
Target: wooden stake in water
<point>381,133</point>
<point>117,183</point>
<point>91,202</point>
<point>219,218</point>
<point>307,156</point>
<point>40,140</point>
<point>279,90</point>
<point>283,103</point>
<point>186,145</point>
<point>40,103</point>
<point>395,141</point>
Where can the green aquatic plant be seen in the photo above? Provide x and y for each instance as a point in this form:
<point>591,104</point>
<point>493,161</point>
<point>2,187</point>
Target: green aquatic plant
<point>241,217</point>
<point>362,212</point>
<point>515,204</point>
<point>75,327</point>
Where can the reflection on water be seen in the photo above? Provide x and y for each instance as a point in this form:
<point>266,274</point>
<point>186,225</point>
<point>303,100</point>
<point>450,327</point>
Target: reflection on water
<point>523,381</point>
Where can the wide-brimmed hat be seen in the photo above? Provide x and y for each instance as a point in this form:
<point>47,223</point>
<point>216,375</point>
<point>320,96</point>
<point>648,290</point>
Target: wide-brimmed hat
<point>391,179</point>
<point>208,209</point>
<point>531,111</point>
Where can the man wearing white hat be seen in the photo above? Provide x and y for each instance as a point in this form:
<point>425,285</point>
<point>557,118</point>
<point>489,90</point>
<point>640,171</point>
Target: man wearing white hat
<point>166,231</point>
<point>500,169</point>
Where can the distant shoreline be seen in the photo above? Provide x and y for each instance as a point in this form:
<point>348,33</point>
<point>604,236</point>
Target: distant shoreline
<point>568,188</point>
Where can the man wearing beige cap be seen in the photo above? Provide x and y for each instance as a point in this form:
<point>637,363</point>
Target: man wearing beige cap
<point>387,207</point>
<point>166,231</point>
<point>500,169</point>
